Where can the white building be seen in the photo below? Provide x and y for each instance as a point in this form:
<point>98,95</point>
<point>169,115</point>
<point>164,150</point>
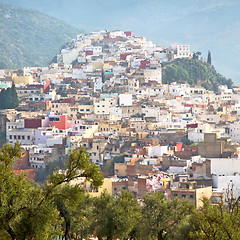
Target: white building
<point>125,99</point>
<point>94,49</point>
<point>225,166</point>
<point>179,89</point>
<point>117,33</point>
<point>182,51</point>
<point>197,134</point>
<point>226,183</point>
<point>68,56</point>
<point>157,151</point>
<point>103,104</point>
<point>153,75</point>
<point>233,131</point>
<point>25,136</point>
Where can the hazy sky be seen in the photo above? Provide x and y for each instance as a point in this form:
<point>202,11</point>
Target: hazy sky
<point>205,24</point>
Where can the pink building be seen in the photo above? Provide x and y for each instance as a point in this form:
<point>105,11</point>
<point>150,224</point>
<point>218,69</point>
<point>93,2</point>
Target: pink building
<point>63,123</point>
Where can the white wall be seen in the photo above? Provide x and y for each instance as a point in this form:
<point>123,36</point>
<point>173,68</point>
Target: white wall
<point>157,151</point>
<point>234,132</point>
<point>183,51</point>
<point>69,56</point>
<point>225,166</point>
<point>223,183</point>
<point>153,75</point>
<point>125,99</point>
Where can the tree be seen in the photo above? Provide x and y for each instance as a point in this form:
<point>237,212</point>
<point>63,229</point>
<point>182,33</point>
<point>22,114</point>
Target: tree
<point>82,218</point>
<point>20,215</point>
<point>209,58</point>
<point>115,217</point>
<point>9,98</point>
<point>161,217</point>
<point>28,210</point>
<point>43,173</point>
<point>103,215</point>
<point>194,71</point>
<point>14,97</point>
<point>196,55</point>
<point>214,222</point>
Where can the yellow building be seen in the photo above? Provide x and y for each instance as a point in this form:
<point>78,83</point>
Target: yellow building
<point>109,127</point>
<point>23,79</point>
<point>93,192</point>
<point>120,169</point>
<point>191,191</point>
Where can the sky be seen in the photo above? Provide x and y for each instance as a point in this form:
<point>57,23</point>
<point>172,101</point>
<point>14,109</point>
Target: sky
<point>212,25</point>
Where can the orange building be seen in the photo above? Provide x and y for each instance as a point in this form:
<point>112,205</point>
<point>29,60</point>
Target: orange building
<point>63,123</point>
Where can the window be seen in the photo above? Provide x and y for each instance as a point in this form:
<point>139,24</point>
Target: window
<point>191,196</point>
<point>15,137</point>
<point>10,136</point>
<point>28,137</point>
<point>23,137</point>
<point>183,195</point>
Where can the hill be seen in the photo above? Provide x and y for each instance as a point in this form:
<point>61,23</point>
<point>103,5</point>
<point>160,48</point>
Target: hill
<point>205,25</point>
<point>194,72</point>
<point>30,38</point>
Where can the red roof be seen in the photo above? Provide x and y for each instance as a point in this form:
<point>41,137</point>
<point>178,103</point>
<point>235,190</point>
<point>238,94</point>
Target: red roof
<point>179,146</point>
<point>68,100</point>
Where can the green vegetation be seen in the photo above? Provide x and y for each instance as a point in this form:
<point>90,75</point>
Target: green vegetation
<point>209,58</point>
<point>43,173</point>
<point>30,38</point>
<point>30,211</point>
<point>2,138</point>
<point>194,72</point>
<point>115,217</point>
<point>161,217</point>
<point>9,98</point>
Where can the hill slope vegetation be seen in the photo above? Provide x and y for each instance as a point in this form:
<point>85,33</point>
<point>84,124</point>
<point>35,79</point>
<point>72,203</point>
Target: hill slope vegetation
<point>29,38</point>
<point>194,72</point>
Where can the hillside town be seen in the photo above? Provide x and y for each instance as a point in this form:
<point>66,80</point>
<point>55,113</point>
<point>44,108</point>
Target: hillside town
<point>105,93</point>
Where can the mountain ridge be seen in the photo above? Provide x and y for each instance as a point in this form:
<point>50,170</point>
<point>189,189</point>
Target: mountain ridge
<point>30,38</point>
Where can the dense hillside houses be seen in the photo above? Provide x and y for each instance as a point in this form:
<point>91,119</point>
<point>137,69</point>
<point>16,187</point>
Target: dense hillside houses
<point>105,93</point>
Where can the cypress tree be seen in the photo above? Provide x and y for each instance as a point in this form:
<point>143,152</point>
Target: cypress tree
<point>9,98</point>
<point>209,58</point>
<point>3,99</point>
<point>14,97</point>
